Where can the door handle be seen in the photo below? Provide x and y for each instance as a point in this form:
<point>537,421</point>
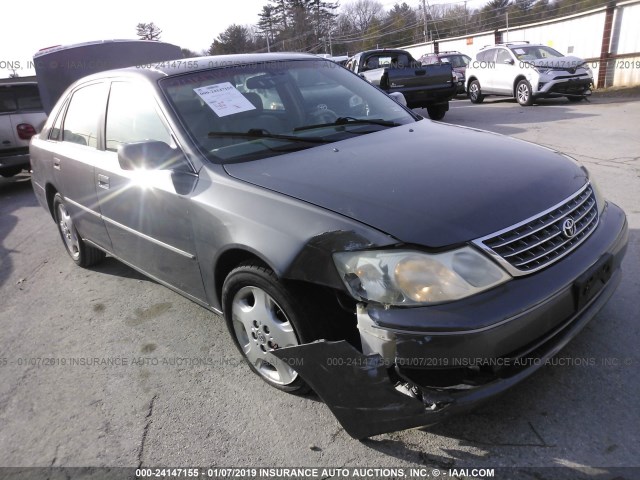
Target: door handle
<point>103,181</point>
<point>56,163</point>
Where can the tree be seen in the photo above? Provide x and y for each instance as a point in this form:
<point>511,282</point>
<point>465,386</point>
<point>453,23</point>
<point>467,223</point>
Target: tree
<point>186,53</point>
<point>361,13</point>
<point>322,17</point>
<point>267,22</point>
<point>402,25</point>
<point>235,39</point>
<point>148,31</point>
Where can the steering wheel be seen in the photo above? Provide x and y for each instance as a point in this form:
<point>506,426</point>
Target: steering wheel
<point>322,114</point>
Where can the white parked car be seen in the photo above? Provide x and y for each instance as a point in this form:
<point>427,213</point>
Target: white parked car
<point>527,72</point>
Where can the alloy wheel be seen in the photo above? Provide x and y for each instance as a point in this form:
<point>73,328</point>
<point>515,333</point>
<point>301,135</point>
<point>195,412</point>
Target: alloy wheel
<point>68,231</point>
<point>261,326</point>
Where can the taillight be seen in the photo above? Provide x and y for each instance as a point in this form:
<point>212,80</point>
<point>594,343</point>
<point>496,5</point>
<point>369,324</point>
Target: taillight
<point>25,131</point>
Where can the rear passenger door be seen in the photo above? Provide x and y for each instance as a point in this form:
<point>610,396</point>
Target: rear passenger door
<point>505,71</point>
<point>486,70</point>
<point>147,219</point>
<point>76,138</point>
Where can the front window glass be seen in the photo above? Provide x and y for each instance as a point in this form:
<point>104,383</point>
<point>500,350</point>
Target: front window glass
<point>503,55</point>
<point>253,111</point>
<point>132,117</point>
<point>534,52</point>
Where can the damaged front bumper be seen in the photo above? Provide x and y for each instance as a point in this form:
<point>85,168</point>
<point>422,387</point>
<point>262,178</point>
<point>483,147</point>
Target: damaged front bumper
<point>423,365</point>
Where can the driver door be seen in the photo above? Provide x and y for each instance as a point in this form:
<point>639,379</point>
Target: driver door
<point>505,72</point>
<point>147,219</point>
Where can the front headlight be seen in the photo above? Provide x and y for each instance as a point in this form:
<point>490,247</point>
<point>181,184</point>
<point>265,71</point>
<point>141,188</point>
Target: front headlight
<point>600,201</point>
<point>409,278</point>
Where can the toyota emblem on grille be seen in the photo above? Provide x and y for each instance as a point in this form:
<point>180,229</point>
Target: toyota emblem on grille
<point>569,228</point>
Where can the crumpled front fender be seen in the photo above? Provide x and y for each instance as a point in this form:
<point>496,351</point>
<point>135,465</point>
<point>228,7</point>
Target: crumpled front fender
<point>358,389</point>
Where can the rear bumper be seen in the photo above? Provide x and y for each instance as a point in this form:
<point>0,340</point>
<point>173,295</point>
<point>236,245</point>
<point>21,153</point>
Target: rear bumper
<point>445,371</point>
<point>17,157</point>
<point>428,96</point>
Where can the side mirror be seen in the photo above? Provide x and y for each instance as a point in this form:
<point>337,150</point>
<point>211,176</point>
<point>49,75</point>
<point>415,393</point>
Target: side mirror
<point>399,97</point>
<point>150,155</point>
<point>509,61</point>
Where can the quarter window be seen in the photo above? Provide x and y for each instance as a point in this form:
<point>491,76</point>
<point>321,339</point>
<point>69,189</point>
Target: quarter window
<point>56,129</point>
<point>132,117</point>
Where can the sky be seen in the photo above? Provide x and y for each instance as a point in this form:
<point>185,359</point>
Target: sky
<point>191,24</point>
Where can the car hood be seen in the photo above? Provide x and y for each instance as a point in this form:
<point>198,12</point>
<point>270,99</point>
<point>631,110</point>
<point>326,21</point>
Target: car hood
<point>558,63</point>
<point>424,183</point>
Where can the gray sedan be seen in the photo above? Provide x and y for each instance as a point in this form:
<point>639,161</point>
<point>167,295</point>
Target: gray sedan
<point>349,250</point>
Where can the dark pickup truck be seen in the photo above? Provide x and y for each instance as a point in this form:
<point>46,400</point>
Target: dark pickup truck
<point>423,86</point>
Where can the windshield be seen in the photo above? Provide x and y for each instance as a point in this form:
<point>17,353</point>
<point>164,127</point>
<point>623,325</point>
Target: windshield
<point>456,60</point>
<point>252,111</point>
<point>525,52</point>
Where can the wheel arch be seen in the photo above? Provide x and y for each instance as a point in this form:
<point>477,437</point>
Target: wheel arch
<point>230,259</point>
<point>516,82</point>
<point>50,192</point>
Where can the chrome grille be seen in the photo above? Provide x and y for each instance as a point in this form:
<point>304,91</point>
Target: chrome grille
<point>540,241</point>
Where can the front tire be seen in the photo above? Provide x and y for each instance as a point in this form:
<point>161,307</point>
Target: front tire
<point>437,112</point>
<point>524,93</point>
<point>82,254</point>
<point>575,99</point>
<point>474,92</point>
<point>262,315</point>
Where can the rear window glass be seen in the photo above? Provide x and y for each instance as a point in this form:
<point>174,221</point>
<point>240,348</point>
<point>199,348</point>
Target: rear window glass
<point>19,98</point>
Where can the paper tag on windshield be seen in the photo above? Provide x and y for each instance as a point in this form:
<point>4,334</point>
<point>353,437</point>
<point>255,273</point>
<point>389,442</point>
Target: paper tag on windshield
<point>519,51</point>
<point>224,99</point>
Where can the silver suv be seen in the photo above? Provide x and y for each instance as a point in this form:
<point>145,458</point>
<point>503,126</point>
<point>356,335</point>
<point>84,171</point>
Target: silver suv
<point>21,117</point>
<point>527,72</point>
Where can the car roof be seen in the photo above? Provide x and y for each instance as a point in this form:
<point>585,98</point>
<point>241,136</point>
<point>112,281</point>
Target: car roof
<point>161,69</point>
<point>383,50</point>
<point>513,44</point>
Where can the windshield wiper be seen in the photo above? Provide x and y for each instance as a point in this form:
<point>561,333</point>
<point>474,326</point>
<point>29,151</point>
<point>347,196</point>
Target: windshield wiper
<point>350,121</point>
<point>260,133</point>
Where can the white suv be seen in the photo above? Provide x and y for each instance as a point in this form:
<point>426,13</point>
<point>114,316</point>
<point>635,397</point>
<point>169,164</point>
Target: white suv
<point>21,117</point>
<point>527,72</point>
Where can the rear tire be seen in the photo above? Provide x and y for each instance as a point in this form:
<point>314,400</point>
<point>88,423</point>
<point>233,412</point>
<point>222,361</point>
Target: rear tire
<point>262,315</point>
<point>82,254</point>
<point>474,92</point>
<point>437,112</point>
